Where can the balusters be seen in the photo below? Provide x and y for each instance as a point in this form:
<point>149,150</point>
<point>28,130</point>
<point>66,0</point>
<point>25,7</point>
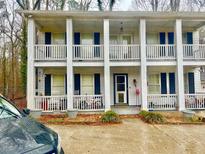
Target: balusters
<point>124,52</point>
<point>195,101</point>
<point>162,101</point>
<point>88,102</point>
<point>50,52</point>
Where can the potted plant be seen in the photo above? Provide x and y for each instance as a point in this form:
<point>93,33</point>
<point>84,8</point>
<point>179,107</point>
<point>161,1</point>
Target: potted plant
<point>36,113</point>
<point>72,113</point>
<point>188,113</point>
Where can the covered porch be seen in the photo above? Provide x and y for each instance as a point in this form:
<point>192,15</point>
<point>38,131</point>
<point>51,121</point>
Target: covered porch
<point>162,89</point>
<point>51,89</point>
<point>194,87</point>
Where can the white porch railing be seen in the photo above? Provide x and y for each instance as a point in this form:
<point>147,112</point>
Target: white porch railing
<point>88,102</point>
<point>162,101</point>
<point>51,103</point>
<point>194,51</point>
<point>50,52</point>
<point>88,52</point>
<point>160,52</point>
<point>124,52</point>
<point>195,101</point>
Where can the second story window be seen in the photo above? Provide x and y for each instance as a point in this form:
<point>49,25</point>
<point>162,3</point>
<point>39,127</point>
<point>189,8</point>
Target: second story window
<point>86,39</point>
<point>58,38</point>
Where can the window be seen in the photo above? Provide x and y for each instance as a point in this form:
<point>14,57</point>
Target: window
<point>7,110</point>
<point>87,85</point>
<point>152,38</point>
<point>58,38</point>
<point>87,39</point>
<point>58,85</point>
<point>153,84</point>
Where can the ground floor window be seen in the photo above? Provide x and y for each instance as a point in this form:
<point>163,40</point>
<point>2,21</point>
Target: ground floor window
<point>58,82</point>
<point>153,84</point>
<point>87,87</point>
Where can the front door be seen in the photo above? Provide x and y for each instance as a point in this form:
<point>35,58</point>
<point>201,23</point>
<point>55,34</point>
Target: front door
<point>120,82</point>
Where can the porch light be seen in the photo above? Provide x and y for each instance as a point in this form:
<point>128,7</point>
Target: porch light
<point>202,69</point>
<point>121,28</point>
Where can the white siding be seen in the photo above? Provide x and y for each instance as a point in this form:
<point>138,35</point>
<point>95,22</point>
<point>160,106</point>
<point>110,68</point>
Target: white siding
<point>133,73</point>
<point>167,70</point>
<point>199,85</point>
<point>153,38</point>
<point>40,82</point>
<point>58,85</point>
<point>91,71</point>
<point>41,37</point>
<point>54,83</point>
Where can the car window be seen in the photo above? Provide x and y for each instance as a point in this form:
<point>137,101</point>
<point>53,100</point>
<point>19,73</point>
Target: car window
<point>7,110</point>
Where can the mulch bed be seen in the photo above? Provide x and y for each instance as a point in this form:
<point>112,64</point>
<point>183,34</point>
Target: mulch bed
<point>177,118</point>
<point>81,119</point>
<point>94,119</point>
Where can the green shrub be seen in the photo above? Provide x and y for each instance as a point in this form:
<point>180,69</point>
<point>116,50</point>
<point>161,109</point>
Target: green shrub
<point>143,113</point>
<point>195,118</point>
<point>151,117</point>
<point>110,116</point>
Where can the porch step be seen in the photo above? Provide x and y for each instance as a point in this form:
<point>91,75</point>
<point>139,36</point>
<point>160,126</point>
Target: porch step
<point>123,110</point>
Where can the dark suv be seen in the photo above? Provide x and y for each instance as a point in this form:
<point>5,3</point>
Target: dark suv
<point>21,134</point>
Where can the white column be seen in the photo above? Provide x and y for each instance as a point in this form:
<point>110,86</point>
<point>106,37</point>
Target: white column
<point>30,64</point>
<point>143,63</point>
<point>196,37</point>
<point>180,71</point>
<point>69,41</point>
<point>106,65</point>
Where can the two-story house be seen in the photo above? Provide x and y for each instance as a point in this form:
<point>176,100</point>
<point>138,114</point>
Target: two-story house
<point>97,61</point>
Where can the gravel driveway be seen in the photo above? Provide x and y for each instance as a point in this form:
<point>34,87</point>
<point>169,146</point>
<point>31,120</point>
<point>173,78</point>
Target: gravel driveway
<point>133,136</point>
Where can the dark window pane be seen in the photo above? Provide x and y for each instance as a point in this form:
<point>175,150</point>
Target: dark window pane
<point>120,87</point>
<point>120,79</point>
<point>121,98</point>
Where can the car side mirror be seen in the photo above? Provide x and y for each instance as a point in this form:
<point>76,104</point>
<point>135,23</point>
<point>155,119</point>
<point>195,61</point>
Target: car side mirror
<point>26,111</point>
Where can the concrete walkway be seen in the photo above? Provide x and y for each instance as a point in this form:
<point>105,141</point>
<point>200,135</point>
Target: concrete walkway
<point>133,136</point>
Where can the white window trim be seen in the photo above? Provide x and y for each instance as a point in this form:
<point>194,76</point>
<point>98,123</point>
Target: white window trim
<point>159,81</point>
<point>167,78</point>
<point>52,84</point>
<point>81,79</point>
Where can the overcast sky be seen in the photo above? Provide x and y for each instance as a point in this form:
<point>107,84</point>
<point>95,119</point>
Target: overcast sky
<point>125,4</point>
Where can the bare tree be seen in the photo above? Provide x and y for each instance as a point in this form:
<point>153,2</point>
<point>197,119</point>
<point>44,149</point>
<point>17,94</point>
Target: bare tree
<point>11,29</point>
<point>26,4</point>
<point>195,5</point>
<point>106,4</point>
<point>175,5</point>
<point>79,4</point>
<point>150,5</point>
<point>154,4</point>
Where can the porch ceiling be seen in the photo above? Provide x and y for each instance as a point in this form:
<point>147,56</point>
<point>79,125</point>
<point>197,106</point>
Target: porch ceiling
<point>127,25</point>
<point>161,69</point>
<point>88,24</point>
<point>193,24</point>
<point>159,25</point>
<point>57,25</point>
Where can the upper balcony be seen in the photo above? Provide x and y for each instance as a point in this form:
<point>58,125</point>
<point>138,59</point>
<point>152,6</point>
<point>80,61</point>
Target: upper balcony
<point>124,41</point>
<point>160,40</point>
<point>193,40</point>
